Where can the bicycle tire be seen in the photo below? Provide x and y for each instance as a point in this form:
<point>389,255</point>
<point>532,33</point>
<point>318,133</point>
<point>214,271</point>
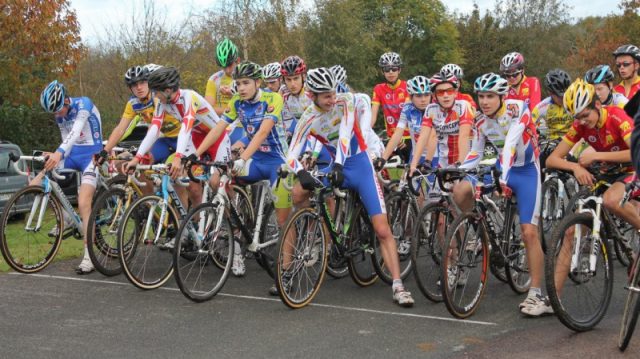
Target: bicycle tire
<point>243,206</point>
<point>143,262</point>
<point>630,234</point>
<point>401,215</point>
<point>301,266</point>
<point>266,257</point>
<point>197,277</point>
<point>360,249</point>
<point>549,203</point>
<point>631,310</point>
<point>516,268</point>
<point>426,248</point>
<point>44,248</point>
<point>464,302</point>
<point>579,317</point>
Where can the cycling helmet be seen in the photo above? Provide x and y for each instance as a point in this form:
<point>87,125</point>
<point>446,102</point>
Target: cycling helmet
<point>340,73</point>
<point>557,81</point>
<point>293,65</point>
<point>453,69</point>
<point>631,50</point>
<point>152,67</point>
<point>390,59</point>
<point>136,74</point>
<point>578,96</point>
<point>441,77</point>
<point>247,69</point>
<point>491,82</point>
<point>418,85</point>
<point>226,53</point>
<point>271,71</point>
<point>511,62</point>
<point>164,78</point>
<point>321,80</point>
<point>599,74</point>
<point>52,97</point>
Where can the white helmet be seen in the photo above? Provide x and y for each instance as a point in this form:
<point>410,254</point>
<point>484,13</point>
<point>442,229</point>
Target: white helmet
<point>271,71</point>
<point>321,80</point>
<point>491,82</point>
<point>152,67</point>
<point>418,85</point>
<point>390,59</point>
<point>453,69</point>
<point>339,73</point>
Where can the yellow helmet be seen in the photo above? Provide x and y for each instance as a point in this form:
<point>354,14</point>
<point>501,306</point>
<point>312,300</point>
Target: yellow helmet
<point>578,96</point>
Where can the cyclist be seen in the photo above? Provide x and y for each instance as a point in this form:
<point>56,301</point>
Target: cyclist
<point>507,125</point>
<point>627,58</point>
<point>601,77</point>
<point>81,129</point>
<point>220,85</point>
<point>452,120</point>
<point>272,76</point>
<point>333,121</point>
<point>521,87</point>
<point>259,113</point>
<point>295,98</point>
<point>391,96</point>
<point>456,70</point>
<point>197,119</point>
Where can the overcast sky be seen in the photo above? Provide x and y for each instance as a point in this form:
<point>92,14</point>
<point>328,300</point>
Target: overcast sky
<point>94,15</point>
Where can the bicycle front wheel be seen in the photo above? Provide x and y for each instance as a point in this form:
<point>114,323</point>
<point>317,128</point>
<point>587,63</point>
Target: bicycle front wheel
<point>361,250</point>
<point>631,309</point>
<point>582,301</point>
<point>552,210</point>
<point>516,264</point>
<point>30,230</point>
<point>204,234</point>
<point>146,241</point>
<point>464,266</point>
<point>302,259</point>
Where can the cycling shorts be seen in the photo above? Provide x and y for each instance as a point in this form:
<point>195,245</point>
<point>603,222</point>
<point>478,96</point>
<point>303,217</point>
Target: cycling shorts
<point>80,158</point>
<point>264,166</point>
<point>163,148</point>
<point>219,151</point>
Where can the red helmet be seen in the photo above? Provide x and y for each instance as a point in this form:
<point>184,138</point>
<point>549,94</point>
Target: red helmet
<point>293,65</point>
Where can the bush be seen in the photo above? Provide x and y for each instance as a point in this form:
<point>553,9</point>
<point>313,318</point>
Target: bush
<point>29,128</point>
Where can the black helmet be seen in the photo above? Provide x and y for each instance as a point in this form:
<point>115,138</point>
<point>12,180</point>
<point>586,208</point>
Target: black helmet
<point>164,78</point>
<point>247,69</point>
<point>631,50</point>
<point>599,74</point>
<point>136,74</point>
<point>557,81</point>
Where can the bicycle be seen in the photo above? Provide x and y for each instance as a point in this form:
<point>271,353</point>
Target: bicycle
<point>473,240</point>
<point>211,230</point>
<point>579,250</point>
<point>558,188</point>
<point>632,304</point>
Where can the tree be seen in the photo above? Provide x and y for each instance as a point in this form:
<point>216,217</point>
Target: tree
<point>40,42</point>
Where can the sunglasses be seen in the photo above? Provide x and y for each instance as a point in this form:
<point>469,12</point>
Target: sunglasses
<point>390,69</point>
<point>512,75</point>
<point>623,64</point>
<point>444,92</point>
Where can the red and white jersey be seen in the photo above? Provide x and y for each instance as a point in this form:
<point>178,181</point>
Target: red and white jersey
<point>446,123</point>
<point>619,88</point>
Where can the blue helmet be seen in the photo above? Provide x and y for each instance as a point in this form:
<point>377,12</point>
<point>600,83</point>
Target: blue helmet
<point>599,74</point>
<point>52,98</point>
<point>491,82</point>
<point>418,85</point>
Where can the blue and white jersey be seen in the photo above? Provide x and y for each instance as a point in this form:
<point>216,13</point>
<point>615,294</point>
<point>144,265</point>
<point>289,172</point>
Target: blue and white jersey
<point>81,126</point>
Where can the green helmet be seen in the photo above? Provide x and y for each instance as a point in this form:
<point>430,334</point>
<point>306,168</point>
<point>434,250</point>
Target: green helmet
<point>247,69</point>
<point>226,53</point>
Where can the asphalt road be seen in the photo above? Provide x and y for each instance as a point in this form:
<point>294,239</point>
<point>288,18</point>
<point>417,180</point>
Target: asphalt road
<point>57,314</point>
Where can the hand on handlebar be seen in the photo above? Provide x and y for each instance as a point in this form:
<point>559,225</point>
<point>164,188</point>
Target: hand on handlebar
<point>53,161</point>
<point>378,164</point>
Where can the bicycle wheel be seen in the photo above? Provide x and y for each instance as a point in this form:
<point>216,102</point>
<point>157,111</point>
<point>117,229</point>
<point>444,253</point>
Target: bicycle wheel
<point>240,200</point>
<point>360,249</point>
<point>269,234</point>
<point>337,266</point>
<point>552,210</point>
<point>302,259</point>
<point>426,248</point>
<point>401,214</point>
<point>102,234</point>
<point>202,236</point>
<point>496,259</point>
<point>516,264</point>
<point>25,246</point>
<point>631,238</point>
<point>464,266</point>
<point>579,303</point>
<point>145,245</point>
<point>631,309</point>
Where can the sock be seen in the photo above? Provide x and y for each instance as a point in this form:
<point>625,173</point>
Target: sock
<point>237,249</point>
<point>397,283</point>
<point>534,292</point>
<point>86,253</point>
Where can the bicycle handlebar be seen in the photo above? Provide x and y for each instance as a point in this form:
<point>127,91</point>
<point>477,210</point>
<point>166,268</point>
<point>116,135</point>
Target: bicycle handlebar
<point>55,173</point>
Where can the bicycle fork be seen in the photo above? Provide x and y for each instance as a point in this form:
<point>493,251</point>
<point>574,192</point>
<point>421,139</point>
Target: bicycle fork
<point>593,252</point>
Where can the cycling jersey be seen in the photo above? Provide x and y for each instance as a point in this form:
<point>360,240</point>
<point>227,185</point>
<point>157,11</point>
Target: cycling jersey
<point>619,88</point>
<point>616,99</point>
<point>411,119</point>
<point>391,98</point>
<point>468,98</point>
<point>551,119</point>
<point>528,91</point>
<point>145,108</point>
<point>375,147</point>
<point>266,106</point>
<point>198,118</point>
<point>610,133</point>
<point>447,124</point>
<point>214,83</point>
<point>293,107</point>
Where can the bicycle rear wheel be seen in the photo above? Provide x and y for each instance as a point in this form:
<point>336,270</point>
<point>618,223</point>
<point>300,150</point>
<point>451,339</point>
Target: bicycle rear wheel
<point>401,215</point>
<point>630,236</point>
<point>552,210</point>
<point>581,302</point>
<point>426,248</point>
<point>145,247</point>
<point>25,248</point>
<point>360,249</point>
<point>302,259</point>
<point>631,309</point>
<point>269,233</point>
<point>464,266</point>
<point>516,264</point>
<point>202,236</point>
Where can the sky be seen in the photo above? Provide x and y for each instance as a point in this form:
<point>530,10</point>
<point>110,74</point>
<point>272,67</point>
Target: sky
<point>95,16</point>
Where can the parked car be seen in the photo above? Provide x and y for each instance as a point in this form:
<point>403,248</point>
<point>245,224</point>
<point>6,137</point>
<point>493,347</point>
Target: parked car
<point>10,180</point>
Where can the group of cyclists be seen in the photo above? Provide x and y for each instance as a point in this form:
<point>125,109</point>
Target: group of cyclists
<point>274,113</point>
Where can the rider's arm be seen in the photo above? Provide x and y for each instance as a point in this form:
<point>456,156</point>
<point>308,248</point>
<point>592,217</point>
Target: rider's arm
<point>534,92</point>
<point>514,134</point>
<point>476,153</point>
<point>375,106</point>
<point>299,139</point>
<point>153,133</point>
<point>464,132</point>
<point>117,133</point>
<point>210,94</point>
<point>397,136</point>
<point>556,158</point>
<point>425,135</point>
<point>211,137</point>
<point>76,130</point>
<point>346,129</point>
